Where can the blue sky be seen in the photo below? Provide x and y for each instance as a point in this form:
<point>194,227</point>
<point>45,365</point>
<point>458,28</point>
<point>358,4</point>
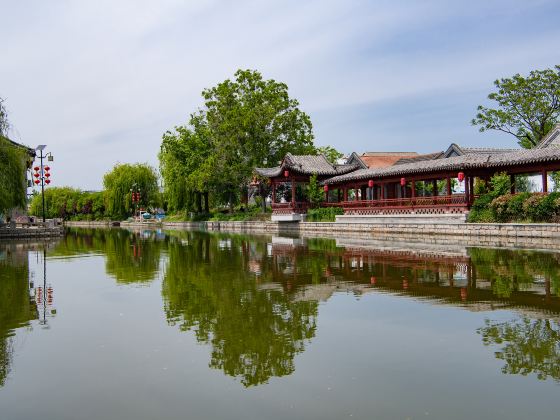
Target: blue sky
<point>100,81</point>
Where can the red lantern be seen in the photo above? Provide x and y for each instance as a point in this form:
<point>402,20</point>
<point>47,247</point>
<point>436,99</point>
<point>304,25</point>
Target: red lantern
<point>47,175</point>
<point>403,182</point>
<point>36,168</point>
<point>37,181</point>
<point>47,181</point>
<point>286,174</point>
<point>36,175</point>
<point>372,280</point>
<point>370,183</point>
<point>461,176</point>
<point>47,168</point>
<point>326,188</point>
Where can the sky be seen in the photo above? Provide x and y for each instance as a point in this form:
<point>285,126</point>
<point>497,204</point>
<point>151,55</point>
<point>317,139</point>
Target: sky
<point>100,81</point>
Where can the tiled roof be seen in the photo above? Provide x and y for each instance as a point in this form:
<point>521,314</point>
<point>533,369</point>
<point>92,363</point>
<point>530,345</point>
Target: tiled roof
<point>384,159</point>
<point>419,158</point>
<point>307,165</point>
<point>552,136</point>
<point>457,163</point>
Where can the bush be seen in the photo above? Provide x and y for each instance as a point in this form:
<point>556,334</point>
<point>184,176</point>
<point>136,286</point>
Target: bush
<point>324,214</point>
<point>542,207</point>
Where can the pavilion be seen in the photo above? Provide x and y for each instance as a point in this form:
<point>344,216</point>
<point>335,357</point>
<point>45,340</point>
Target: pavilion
<point>406,184</point>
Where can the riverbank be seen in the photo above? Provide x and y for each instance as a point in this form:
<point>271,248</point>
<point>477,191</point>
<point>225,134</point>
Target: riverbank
<point>511,235</point>
<point>31,232</point>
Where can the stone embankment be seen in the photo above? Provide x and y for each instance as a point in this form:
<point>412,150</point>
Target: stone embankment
<point>31,232</point>
<point>540,235</point>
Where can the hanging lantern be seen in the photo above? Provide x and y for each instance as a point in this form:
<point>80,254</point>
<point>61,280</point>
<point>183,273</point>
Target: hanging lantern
<point>370,183</point>
<point>36,168</point>
<point>37,181</point>
<point>47,175</point>
<point>36,175</point>
<point>403,182</point>
<point>286,174</point>
<point>47,168</point>
<point>461,176</point>
<point>47,181</point>
<point>326,188</point>
<point>372,280</point>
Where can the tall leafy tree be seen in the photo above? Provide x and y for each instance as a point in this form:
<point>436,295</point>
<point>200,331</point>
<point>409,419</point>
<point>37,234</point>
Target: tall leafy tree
<point>244,123</point>
<point>125,177</point>
<point>12,175</point>
<point>526,107</point>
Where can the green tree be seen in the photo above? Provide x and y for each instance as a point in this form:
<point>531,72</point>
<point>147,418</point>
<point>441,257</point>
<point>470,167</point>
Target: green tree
<point>244,123</point>
<point>125,177</point>
<point>527,107</point>
<point>4,123</point>
<point>12,175</point>
<point>315,193</point>
<point>330,153</point>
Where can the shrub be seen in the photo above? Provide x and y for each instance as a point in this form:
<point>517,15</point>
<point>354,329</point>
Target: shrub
<point>324,214</point>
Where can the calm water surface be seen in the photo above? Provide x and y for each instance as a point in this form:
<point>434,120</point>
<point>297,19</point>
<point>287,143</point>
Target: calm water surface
<point>113,324</point>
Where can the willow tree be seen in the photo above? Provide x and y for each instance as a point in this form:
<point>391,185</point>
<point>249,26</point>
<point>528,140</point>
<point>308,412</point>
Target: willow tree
<point>12,175</point>
<point>186,165</point>
<point>125,178</point>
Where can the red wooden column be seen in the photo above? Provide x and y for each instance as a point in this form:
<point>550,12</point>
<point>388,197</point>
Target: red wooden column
<point>544,181</point>
<point>273,192</point>
<point>356,190</point>
<point>434,187</point>
<point>471,188</point>
<point>293,193</point>
<point>448,185</point>
<point>338,195</point>
<point>467,192</point>
<point>345,194</point>
<point>413,188</point>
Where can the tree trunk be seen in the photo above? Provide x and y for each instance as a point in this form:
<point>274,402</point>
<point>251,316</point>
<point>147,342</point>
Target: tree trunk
<point>206,204</point>
<point>199,202</point>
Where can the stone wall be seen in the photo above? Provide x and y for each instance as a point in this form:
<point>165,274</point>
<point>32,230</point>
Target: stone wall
<point>542,235</point>
<point>32,232</point>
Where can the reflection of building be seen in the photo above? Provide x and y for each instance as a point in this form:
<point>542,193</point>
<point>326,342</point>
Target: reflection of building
<point>472,278</point>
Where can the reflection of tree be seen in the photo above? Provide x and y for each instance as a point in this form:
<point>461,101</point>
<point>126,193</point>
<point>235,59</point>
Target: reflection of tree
<point>528,346</point>
<point>15,306</point>
<point>130,258</point>
<point>255,332</point>
<point>513,270</point>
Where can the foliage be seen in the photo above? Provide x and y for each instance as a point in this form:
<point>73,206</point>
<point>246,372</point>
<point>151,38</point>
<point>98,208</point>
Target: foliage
<point>69,204</point>
<point>255,332</point>
<point>324,214</point>
<point>527,346</point>
<point>330,153</point>
<point>315,194</point>
<point>12,176</point>
<point>125,178</point>
<point>4,123</point>
<point>527,107</point>
<point>245,123</point>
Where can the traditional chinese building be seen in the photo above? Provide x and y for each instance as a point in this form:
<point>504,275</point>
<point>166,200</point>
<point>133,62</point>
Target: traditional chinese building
<point>407,183</point>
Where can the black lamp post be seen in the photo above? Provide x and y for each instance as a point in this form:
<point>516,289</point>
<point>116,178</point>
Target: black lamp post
<point>42,174</point>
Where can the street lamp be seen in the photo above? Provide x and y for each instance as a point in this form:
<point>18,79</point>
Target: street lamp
<point>42,175</point>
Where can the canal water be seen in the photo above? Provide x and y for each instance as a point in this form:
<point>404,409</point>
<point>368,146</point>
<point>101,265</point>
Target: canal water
<point>116,324</point>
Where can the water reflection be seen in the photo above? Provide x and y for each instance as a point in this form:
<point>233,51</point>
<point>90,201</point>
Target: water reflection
<point>255,299</point>
<point>17,304</point>
<point>255,331</point>
<point>526,346</point>
<point>131,257</point>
